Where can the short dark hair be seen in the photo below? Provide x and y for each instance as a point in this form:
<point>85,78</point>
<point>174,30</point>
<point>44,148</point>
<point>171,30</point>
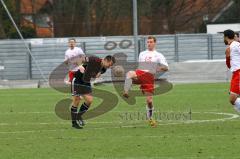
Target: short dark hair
<point>72,39</point>
<point>110,58</point>
<point>229,33</point>
<point>152,37</point>
<point>237,33</point>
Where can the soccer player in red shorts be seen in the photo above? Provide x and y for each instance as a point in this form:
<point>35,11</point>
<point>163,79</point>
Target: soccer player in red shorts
<point>150,63</point>
<point>71,58</point>
<point>233,63</point>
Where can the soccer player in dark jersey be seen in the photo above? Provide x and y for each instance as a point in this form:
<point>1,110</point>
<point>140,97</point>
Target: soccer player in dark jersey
<point>92,67</point>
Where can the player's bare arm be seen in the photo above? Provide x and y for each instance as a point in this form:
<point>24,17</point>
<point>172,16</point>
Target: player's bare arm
<point>227,52</point>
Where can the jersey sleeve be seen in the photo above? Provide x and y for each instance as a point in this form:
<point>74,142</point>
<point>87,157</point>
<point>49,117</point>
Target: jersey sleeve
<point>162,60</point>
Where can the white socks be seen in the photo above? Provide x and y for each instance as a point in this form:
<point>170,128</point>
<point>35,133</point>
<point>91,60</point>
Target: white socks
<point>237,105</point>
<point>149,112</point>
<point>127,84</point>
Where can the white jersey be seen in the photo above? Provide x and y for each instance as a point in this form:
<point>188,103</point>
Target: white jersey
<point>149,60</point>
<point>235,56</point>
<point>70,57</point>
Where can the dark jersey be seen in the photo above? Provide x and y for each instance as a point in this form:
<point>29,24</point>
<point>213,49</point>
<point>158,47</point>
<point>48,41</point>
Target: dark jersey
<point>93,66</point>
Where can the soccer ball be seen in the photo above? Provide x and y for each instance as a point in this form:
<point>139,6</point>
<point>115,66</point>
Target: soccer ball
<point>118,71</point>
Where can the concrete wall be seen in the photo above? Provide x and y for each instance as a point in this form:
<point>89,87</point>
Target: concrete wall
<point>47,54</point>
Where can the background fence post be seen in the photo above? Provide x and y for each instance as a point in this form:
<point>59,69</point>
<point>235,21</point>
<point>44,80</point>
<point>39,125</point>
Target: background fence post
<point>29,63</point>
<point>176,49</point>
<point>210,52</point>
<point>83,46</point>
<point>141,45</point>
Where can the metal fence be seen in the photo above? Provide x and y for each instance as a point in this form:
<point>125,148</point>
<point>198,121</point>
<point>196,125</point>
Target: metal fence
<point>47,54</point>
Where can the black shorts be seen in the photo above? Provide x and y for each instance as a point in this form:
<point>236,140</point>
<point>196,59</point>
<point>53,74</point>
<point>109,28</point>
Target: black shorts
<point>79,87</point>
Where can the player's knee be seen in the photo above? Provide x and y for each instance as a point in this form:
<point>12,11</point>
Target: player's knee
<point>149,101</point>
<point>131,74</point>
<point>75,103</point>
<point>232,99</point>
<point>76,100</point>
<point>89,101</point>
<point>128,74</point>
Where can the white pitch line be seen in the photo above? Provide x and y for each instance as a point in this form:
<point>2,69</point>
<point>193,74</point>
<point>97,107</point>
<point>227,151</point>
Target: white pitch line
<point>123,136</point>
<point>232,116</point>
<point>88,122</point>
<point>113,111</point>
<point>8,113</point>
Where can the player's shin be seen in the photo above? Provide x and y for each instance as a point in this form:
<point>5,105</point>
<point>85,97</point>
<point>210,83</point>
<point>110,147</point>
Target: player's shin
<point>127,84</point>
<point>83,109</point>
<point>74,114</point>
<point>150,109</point>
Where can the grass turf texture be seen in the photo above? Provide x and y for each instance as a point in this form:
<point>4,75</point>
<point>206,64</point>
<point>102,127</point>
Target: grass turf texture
<point>29,127</point>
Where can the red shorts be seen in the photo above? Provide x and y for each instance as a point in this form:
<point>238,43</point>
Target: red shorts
<point>70,76</point>
<point>146,80</point>
<point>235,82</point>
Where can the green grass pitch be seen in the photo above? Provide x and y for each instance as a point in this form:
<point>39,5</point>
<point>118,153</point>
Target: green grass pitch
<point>29,127</point>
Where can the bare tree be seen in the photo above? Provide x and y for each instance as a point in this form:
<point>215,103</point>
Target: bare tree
<point>2,32</point>
<point>173,16</point>
<point>114,17</point>
<point>92,17</point>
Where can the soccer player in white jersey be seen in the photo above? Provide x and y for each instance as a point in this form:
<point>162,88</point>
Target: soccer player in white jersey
<point>233,63</point>
<point>72,55</point>
<point>150,63</point>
